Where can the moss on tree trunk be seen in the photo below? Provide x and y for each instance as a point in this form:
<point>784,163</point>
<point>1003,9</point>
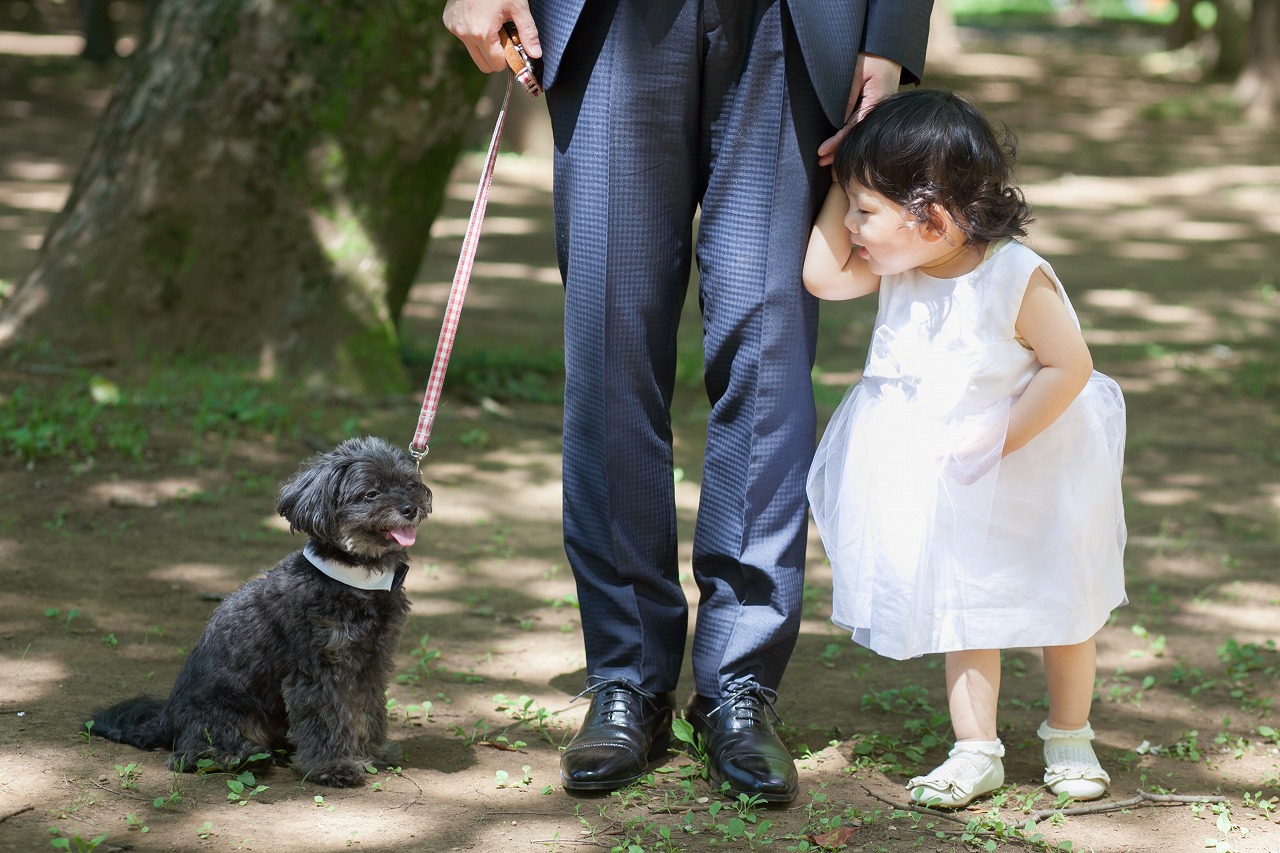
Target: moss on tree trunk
<point>261,185</point>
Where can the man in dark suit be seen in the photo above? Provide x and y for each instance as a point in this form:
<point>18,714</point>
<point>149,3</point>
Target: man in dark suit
<point>661,110</point>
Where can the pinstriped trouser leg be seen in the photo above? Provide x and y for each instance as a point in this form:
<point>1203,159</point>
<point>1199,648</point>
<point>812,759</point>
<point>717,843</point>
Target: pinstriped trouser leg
<point>638,149</point>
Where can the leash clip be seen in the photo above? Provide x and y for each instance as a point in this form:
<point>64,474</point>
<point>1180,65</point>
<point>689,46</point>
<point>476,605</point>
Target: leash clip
<point>418,455</point>
<point>518,60</point>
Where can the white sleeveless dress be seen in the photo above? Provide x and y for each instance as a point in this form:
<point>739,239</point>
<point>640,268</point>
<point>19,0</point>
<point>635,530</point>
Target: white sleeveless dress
<point>936,543</point>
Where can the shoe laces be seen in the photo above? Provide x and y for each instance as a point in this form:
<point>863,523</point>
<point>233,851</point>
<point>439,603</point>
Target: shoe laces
<point>613,695</point>
<point>749,701</point>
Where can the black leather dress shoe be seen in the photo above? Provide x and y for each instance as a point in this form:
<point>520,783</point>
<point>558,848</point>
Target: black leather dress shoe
<point>742,747</point>
<point>624,730</point>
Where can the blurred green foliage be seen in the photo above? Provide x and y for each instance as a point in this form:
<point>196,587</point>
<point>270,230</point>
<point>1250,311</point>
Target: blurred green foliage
<point>997,11</point>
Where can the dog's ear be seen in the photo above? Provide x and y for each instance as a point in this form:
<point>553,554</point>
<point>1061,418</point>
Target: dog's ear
<point>309,499</point>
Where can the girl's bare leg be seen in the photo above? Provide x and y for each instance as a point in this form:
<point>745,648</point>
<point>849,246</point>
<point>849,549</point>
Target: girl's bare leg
<point>973,688</point>
<point>1070,671</point>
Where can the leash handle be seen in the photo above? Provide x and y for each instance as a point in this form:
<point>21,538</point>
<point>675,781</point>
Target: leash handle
<point>521,70</point>
<point>517,60</point>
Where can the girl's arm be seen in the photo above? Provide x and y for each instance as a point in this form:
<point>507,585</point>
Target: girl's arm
<point>831,269</point>
<point>1044,323</point>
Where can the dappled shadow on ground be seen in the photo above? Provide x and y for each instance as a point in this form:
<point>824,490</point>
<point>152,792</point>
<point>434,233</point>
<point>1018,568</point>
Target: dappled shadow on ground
<point>1157,215</point>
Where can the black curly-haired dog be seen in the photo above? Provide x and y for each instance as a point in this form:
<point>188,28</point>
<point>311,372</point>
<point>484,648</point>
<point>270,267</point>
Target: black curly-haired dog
<point>298,659</point>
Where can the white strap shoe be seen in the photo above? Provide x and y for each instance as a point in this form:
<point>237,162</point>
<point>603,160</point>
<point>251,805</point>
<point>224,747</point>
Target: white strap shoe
<point>972,768</point>
<point>1071,767</point>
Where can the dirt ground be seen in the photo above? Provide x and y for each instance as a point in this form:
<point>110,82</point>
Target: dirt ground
<point>1157,210</point>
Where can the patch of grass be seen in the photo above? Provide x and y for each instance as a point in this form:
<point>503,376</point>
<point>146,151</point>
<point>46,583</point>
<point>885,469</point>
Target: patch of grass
<point>993,12</point>
<point>84,414</point>
<point>66,422</point>
<point>506,375</point>
<point>1241,659</point>
<point>1198,106</point>
<point>1259,378</point>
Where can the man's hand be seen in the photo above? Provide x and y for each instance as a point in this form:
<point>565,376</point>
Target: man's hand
<point>476,24</point>
<point>874,79</point>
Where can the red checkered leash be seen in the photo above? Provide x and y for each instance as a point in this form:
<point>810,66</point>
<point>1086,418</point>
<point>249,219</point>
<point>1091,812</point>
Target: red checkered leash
<point>522,71</point>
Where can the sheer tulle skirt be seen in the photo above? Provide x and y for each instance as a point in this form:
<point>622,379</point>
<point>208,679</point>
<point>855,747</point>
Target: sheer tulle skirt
<point>937,544</point>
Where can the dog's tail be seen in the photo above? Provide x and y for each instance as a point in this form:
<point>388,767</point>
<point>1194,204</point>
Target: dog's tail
<point>137,722</point>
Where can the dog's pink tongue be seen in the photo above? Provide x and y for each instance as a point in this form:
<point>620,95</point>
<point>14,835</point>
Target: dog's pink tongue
<point>404,535</point>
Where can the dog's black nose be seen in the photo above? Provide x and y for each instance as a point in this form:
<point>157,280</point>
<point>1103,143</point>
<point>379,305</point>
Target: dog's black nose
<point>409,511</point>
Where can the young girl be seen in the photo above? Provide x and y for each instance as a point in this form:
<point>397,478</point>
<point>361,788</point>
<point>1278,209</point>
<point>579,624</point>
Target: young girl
<point>967,490</point>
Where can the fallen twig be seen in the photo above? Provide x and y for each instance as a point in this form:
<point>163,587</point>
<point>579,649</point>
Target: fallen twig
<point>912,807</point>
<point>1120,805</point>
<point>504,747</point>
<point>1043,814</point>
<point>110,790</point>
<point>584,843</point>
<point>416,801</point>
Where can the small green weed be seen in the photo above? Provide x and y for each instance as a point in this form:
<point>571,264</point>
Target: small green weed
<point>1265,805</point>
<point>243,788</point>
<point>1241,659</point>
<point>75,843</point>
<point>423,656</point>
<point>128,775</point>
<point>1221,814</point>
<point>498,544</point>
<point>169,801</point>
<point>392,773</point>
<point>682,730</point>
<point>528,713</point>
<point>479,732</point>
<point>414,715</point>
<point>1188,747</point>
<point>502,779</point>
<point>1155,644</point>
<point>54,613</point>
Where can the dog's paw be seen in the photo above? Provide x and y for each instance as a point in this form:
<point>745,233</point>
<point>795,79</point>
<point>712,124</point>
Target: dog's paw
<point>388,755</point>
<point>338,775</point>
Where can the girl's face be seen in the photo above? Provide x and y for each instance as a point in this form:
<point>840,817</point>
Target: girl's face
<point>888,238</point>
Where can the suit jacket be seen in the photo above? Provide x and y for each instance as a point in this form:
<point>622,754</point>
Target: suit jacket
<point>831,33</point>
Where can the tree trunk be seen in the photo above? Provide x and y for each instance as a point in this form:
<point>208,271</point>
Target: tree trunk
<point>1231,30</point>
<point>1184,29</point>
<point>1258,89</point>
<point>99,31</point>
<point>260,185</point>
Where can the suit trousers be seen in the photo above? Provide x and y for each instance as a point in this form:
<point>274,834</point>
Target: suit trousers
<point>663,112</point>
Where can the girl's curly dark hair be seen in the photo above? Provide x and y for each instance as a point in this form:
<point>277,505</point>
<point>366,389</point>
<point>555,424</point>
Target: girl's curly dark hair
<point>926,147</point>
